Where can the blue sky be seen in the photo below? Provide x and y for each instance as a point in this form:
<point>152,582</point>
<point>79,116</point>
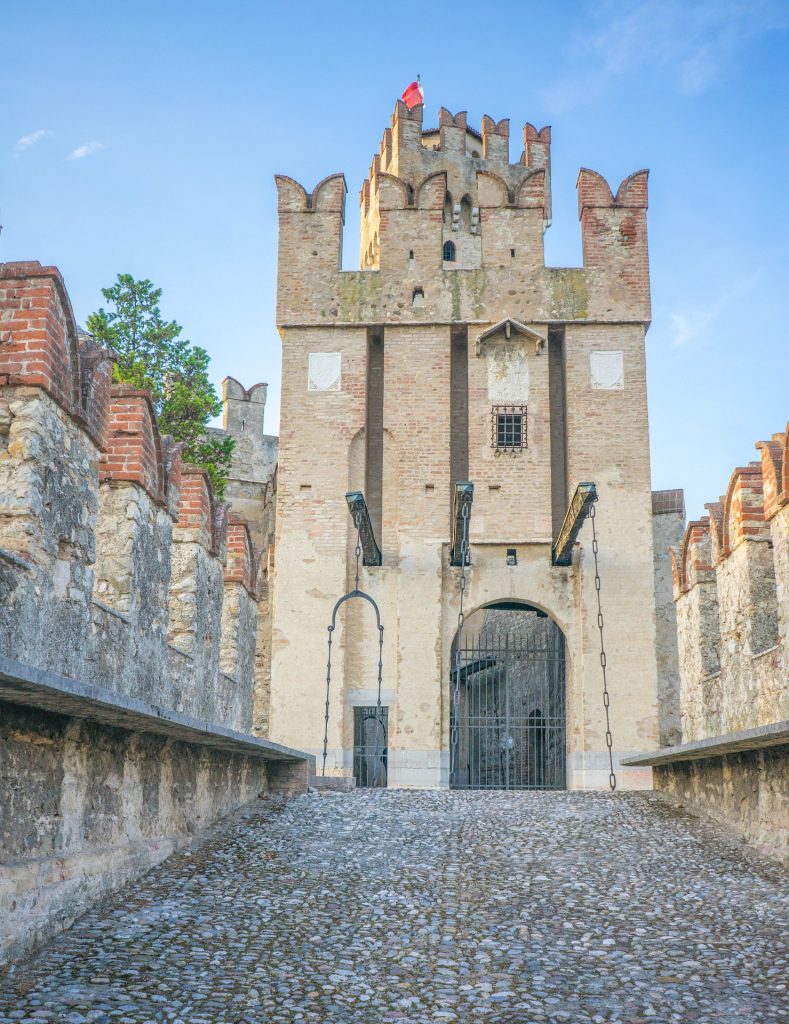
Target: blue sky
<point>144,139</point>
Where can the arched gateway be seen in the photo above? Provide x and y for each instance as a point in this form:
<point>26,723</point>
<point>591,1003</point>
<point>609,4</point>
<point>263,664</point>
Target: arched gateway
<point>509,680</point>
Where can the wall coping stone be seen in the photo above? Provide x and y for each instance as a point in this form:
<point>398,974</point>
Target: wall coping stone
<point>57,694</point>
<point>775,734</point>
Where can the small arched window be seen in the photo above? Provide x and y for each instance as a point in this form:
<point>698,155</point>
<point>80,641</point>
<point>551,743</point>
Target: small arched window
<point>449,252</point>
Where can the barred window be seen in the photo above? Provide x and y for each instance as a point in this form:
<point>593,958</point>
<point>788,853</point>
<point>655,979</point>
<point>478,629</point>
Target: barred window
<point>449,252</point>
<point>508,427</point>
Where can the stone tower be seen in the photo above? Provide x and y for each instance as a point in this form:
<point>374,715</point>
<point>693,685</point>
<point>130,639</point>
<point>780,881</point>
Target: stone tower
<point>455,354</point>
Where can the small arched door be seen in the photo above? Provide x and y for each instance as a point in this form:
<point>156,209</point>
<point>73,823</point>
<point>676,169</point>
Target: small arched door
<point>508,701</point>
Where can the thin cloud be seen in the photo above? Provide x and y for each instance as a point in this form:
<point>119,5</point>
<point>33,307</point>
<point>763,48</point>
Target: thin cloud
<point>694,324</point>
<point>87,150</point>
<point>692,44</point>
<point>30,140</point>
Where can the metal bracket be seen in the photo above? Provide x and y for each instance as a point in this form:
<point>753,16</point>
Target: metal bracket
<point>583,499</point>
<point>464,496</point>
<point>357,506</point>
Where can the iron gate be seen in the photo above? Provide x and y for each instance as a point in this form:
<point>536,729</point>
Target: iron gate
<point>370,754</point>
<point>511,721</point>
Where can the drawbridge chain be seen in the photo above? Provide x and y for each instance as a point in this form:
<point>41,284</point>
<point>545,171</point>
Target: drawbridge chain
<point>455,716</point>
<point>609,741</point>
<point>361,517</point>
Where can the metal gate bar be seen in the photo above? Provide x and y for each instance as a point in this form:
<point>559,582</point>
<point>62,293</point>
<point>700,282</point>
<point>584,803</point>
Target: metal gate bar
<point>370,753</point>
<point>511,714</point>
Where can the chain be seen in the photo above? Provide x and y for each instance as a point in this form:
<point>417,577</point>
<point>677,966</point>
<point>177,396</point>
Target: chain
<point>326,716</point>
<point>609,741</point>
<point>358,552</point>
<point>464,512</point>
<point>357,518</point>
<point>379,717</point>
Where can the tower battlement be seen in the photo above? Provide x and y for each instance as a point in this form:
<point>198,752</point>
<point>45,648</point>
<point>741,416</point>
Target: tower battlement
<point>449,226</point>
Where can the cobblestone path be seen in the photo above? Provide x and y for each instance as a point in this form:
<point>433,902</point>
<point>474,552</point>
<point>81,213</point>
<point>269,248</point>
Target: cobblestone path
<point>406,907</point>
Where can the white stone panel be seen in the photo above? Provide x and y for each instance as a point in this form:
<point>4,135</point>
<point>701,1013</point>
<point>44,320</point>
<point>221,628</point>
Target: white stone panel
<point>508,374</point>
<point>324,372</point>
<point>608,370</point>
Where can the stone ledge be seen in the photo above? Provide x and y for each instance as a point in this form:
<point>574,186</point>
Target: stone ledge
<point>773,735</point>
<point>333,783</point>
<point>49,691</point>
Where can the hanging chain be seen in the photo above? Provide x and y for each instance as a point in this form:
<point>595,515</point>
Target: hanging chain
<point>357,518</point>
<point>326,716</point>
<point>464,512</point>
<point>358,552</point>
<point>379,716</point>
<point>609,741</point>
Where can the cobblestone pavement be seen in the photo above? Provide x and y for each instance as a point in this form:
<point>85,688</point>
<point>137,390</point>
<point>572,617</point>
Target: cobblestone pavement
<point>412,907</point>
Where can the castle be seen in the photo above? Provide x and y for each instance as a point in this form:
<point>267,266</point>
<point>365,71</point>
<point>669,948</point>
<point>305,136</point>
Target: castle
<point>514,608</point>
<point>455,355</point>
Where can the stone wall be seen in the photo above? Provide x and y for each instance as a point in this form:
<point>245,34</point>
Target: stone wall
<point>668,526</point>
<point>730,589</point>
<point>124,579</point>
<point>252,491</point>
<point>91,807</point>
<point>747,792</point>
<point>102,526</point>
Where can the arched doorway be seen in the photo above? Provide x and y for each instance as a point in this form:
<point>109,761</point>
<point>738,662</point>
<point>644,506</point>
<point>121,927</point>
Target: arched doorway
<point>508,706</point>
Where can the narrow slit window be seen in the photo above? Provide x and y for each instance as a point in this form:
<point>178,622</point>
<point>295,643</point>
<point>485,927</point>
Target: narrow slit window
<point>508,428</point>
<point>449,252</point>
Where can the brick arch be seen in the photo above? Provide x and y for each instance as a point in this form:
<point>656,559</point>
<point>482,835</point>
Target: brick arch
<point>527,604</point>
<point>431,190</point>
<point>530,133</point>
<point>328,194</point>
<point>633,190</point>
<point>531,191</point>
<point>393,192</point>
<point>593,190</point>
<point>290,194</point>
<point>493,190</point>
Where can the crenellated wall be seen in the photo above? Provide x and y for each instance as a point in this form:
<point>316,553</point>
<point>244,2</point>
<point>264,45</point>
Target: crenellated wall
<point>730,590</point>
<point>113,560</point>
<point>731,594</point>
<point>128,627</point>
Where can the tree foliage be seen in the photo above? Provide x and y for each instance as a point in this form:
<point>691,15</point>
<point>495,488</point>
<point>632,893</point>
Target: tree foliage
<point>153,355</point>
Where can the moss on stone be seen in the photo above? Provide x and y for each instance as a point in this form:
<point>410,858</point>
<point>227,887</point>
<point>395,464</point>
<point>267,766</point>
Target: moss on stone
<point>358,290</point>
<point>569,293</point>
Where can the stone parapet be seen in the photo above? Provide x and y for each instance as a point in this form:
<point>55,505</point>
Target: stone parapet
<point>101,787</point>
<point>730,591</point>
<point>115,552</point>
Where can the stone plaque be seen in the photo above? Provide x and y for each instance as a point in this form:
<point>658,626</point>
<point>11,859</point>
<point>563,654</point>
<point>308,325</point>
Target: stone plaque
<point>508,374</point>
<point>608,370</point>
<point>323,373</point>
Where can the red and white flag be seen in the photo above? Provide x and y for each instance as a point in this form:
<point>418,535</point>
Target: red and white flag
<point>414,95</point>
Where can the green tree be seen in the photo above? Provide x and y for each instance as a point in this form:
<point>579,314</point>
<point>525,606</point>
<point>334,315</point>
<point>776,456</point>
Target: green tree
<point>153,355</point>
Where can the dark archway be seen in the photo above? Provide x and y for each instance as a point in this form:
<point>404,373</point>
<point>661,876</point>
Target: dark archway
<point>508,683</point>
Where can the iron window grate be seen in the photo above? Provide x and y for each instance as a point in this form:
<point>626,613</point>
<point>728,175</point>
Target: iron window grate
<point>508,432</point>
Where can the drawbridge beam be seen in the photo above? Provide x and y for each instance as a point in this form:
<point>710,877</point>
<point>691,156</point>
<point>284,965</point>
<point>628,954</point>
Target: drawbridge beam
<point>357,506</point>
<point>585,496</point>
